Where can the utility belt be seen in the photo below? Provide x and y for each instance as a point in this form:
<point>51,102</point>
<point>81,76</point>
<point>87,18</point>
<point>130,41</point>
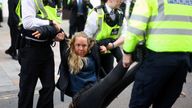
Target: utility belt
<point>140,51</point>
<point>32,43</point>
<point>27,40</point>
<point>149,51</point>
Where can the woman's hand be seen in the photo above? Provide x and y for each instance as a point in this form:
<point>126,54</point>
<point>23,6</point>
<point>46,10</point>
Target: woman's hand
<point>103,49</point>
<point>110,46</point>
<point>60,36</point>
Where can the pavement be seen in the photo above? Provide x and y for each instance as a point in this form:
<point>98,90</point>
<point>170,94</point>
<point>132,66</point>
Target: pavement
<point>9,79</point>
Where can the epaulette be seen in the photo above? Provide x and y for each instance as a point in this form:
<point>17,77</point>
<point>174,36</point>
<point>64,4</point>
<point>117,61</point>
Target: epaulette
<point>98,7</point>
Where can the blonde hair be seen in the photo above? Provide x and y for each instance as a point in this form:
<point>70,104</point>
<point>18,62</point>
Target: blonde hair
<point>76,62</point>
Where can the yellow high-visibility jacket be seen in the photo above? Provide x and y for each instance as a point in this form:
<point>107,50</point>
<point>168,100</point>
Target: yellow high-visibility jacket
<point>166,24</point>
<point>46,12</point>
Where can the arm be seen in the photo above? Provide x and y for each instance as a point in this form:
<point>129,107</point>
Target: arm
<point>91,26</point>
<point>47,32</point>
<point>116,43</point>
<point>105,42</point>
<point>29,19</point>
<point>63,80</point>
<point>120,40</point>
<point>137,26</point>
<point>95,52</point>
<point>136,29</point>
<point>29,11</point>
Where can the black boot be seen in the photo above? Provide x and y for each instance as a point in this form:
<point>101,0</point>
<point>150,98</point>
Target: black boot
<point>13,54</point>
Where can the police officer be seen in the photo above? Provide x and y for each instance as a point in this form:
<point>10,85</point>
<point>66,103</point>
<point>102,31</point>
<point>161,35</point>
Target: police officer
<point>126,6</point>
<point>166,27</point>
<point>39,17</point>
<point>103,23</point>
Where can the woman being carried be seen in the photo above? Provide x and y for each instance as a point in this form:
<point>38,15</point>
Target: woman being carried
<point>79,71</point>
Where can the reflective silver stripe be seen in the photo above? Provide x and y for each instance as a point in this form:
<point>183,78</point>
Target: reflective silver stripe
<point>100,12</point>
<point>100,21</point>
<point>41,7</point>
<point>136,31</point>
<point>172,18</point>
<point>139,18</point>
<point>160,12</point>
<point>37,40</point>
<point>171,31</point>
<point>161,6</point>
<point>99,26</point>
<point>162,17</point>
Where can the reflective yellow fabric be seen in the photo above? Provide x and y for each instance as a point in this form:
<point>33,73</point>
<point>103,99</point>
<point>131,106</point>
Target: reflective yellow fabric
<point>166,24</point>
<point>105,31</point>
<point>47,12</point>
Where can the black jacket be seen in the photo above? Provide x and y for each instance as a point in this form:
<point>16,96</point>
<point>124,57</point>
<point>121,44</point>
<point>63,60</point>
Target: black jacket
<point>47,32</point>
<point>73,7</point>
<point>62,83</point>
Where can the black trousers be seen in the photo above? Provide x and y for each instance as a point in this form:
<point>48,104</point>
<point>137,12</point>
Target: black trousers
<point>77,23</point>
<point>97,95</point>
<point>36,62</point>
<point>190,69</point>
<point>14,33</point>
<point>1,15</point>
<point>159,80</point>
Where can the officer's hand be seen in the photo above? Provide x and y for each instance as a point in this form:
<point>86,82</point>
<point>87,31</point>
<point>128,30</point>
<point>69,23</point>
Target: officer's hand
<point>36,34</point>
<point>60,36</point>
<point>127,60</point>
<point>110,46</point>
<point>103,49</point>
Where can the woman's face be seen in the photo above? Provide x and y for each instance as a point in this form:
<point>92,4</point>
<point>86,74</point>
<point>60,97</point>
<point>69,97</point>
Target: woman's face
<point>81,46</point>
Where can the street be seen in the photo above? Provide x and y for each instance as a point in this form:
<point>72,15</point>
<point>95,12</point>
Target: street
<point>9,80</point>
